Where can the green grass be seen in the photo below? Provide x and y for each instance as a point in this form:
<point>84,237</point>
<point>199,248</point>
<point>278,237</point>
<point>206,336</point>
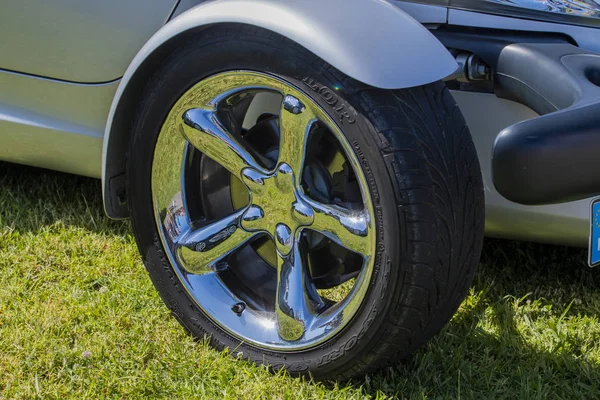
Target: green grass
<point>79,318</point>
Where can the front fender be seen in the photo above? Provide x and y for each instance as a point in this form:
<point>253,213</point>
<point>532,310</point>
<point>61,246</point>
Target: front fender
<point>371,41</point>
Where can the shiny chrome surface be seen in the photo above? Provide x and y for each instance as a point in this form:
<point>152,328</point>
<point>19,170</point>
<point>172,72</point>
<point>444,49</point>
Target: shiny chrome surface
<point>578,12</point>
<point>587,38</point>
<point>583,8</point>
<point>203,130</point>
<point>198,250</point>
<point>278,207</point>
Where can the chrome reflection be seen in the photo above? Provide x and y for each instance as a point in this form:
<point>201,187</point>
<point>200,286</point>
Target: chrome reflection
<point>349,228</point>
<point>578,12</point>
<point>293,313</point>
<point>278,207</point>
<point>582,8</point>
<point>202,129</point>
<point>199,250</point>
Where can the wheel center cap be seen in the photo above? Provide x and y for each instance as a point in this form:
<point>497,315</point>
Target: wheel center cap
<point>276,207</point>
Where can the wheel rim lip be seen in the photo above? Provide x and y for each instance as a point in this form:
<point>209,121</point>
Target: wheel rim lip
<point>208,292</point>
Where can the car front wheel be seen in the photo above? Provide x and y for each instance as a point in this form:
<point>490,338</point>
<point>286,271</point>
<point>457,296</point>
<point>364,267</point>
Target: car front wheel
<point>295,216</point>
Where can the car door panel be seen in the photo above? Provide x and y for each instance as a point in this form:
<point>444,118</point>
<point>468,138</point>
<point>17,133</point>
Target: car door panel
<point>53,124</point>
<point>77,40</point>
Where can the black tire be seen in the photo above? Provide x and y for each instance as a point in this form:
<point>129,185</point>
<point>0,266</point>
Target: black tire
<point>425,181</point>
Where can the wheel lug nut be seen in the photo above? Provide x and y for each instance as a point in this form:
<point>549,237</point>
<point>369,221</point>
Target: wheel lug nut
<point>292,104</point>
<point>238,308</point>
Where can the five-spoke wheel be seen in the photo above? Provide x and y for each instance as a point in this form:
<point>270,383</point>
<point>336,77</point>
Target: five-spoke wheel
<point>280,207</point>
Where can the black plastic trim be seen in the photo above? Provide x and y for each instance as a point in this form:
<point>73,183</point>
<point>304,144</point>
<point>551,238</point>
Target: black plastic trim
<point>554,158</point>
<point>47,78</point>
<point>489,43</point>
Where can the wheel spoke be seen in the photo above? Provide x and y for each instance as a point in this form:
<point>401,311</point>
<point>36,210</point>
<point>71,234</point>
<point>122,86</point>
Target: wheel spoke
<point>199,250</point>
<point>295,123</point>
<point>347,228</point>
<point>293,297</point>
<point>203,130</point>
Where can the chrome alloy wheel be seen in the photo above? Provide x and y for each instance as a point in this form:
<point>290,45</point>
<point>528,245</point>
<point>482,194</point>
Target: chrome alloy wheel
<point>216,252</point>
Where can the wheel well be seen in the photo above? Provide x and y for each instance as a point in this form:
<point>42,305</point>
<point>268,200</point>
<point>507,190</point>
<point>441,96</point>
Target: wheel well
<point>115,196</point>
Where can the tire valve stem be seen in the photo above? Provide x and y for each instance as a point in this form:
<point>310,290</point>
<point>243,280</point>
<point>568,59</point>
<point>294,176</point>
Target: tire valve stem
<point>238,308</point>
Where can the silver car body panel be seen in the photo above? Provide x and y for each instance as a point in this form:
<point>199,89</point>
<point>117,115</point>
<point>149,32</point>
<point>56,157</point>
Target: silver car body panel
<point>424,13</point>
<point>53,124</point>
<point>75,40</point>
<point>333,31</point>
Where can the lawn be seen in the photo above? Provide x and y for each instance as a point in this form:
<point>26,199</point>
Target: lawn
<point>79,318</point>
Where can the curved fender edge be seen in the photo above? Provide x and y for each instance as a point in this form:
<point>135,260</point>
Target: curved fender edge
<point>371,41</point>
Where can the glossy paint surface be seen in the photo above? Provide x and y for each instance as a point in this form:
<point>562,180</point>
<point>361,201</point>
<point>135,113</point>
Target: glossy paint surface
<point>53,124</point>
<point>77,40</point>
<point>583,8</point>
<point>574,12</point>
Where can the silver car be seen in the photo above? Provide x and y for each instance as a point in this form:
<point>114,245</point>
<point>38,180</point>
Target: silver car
<point>309,182</point>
